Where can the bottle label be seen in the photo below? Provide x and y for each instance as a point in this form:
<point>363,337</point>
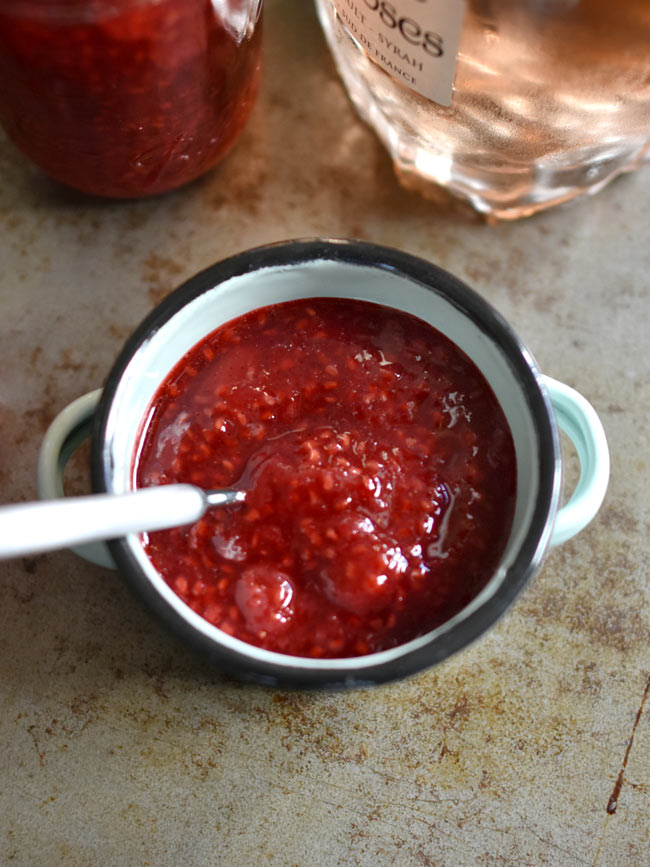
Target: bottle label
<point>415,41</point>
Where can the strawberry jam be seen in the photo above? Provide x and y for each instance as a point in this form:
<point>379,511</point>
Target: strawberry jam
<point>127,97</point>
<point>378,466</point>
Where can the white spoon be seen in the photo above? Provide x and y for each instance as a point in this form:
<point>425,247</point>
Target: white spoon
<point>30,528</point>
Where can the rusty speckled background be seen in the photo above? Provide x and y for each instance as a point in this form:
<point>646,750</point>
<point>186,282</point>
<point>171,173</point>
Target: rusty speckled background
<point>118,747</point>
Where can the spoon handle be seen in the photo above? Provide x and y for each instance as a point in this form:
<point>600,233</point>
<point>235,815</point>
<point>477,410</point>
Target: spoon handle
<point>30,528</point>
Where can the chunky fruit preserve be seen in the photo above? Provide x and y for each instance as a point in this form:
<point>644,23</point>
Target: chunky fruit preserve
<point>127,97</point>
<point>378,467</point>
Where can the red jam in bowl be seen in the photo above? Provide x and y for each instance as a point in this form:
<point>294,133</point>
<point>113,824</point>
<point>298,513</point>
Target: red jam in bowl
<point>125,98</point>
<point>379,470</point>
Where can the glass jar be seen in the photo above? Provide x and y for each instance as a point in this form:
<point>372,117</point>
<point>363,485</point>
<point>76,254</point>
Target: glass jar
<point>514,105</point>
<point>126,98</point>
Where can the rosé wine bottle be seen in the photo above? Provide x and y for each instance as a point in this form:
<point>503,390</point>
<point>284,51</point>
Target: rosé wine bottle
<point>513,105</point>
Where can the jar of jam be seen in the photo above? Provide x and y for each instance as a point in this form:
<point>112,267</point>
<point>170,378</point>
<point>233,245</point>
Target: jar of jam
<point>126,98</point>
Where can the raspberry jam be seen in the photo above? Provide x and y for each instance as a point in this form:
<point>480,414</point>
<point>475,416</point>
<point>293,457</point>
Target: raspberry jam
<point>379,470</point>
<point>127,97</point>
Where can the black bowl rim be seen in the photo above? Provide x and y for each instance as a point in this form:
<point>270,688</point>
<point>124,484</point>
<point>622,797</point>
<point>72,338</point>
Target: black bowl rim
<point>489,321</point>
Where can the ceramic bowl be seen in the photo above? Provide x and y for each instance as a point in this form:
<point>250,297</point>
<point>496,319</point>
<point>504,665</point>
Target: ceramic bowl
<point>534,406</point>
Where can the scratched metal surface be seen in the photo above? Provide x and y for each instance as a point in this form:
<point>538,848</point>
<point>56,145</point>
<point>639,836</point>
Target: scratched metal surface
<point>120,747</point>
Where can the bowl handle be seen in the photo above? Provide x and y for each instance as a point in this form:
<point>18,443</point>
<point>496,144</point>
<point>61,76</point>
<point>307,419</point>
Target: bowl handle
<point>579,421</point>
<point>63,437</point>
